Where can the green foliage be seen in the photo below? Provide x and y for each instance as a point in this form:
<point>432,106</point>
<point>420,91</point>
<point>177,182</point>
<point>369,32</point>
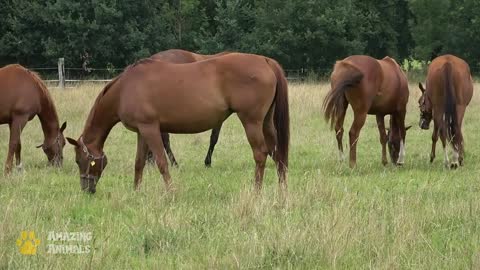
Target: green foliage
<point>300,34</point>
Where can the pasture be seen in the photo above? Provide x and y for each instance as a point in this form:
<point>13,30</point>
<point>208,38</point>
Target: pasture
<point>417,216</point>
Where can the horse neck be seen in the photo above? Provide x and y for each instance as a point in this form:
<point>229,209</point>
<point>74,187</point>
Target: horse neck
<point>99,124</point>
<point>48,119</point>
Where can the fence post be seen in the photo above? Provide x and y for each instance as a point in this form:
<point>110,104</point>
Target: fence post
<point>61,73</point>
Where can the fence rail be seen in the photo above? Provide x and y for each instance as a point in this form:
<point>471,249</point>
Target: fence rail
<point>62,75</point>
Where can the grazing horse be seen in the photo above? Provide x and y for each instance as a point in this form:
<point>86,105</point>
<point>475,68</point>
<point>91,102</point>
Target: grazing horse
<point>370,86</point>
<point>177,56</point>
<point>151,97</point>
<point>23,97</point>
<point>449,91</point>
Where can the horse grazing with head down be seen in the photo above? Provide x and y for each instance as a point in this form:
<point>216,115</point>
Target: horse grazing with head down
<point>445,99</point>
<point>177,56</point>
<point>24,96</point>
<point>152,97</point>
<point>370,86</point>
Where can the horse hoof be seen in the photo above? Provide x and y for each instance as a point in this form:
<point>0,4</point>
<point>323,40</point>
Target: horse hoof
<point>399,164</point>
<point>20,168</point>
<point>454,165</point>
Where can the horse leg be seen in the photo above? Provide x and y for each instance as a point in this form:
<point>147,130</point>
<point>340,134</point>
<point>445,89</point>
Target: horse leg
<point>354,133</point>
<point>18,155</point>
<point>459,135</point>
<point>150,157</point>
<point>166,144</point>
<point>213,142</point>
<point>443,138</point>
<point>434,141</point>
<point>254,131</point>
<point>270,136</point>
<point>383,137</point>
<point>16,127</point>
<point>142,149</point>
<point>151,135</point>
<point>339,132</point>
<point>400,119</point>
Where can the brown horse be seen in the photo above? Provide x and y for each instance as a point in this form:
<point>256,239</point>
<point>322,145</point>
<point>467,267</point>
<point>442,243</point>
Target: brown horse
<point>23,97</point>
<point>370,86</point>
<point>152,97</point>
<point>177,56</point>
<point>449,91</point>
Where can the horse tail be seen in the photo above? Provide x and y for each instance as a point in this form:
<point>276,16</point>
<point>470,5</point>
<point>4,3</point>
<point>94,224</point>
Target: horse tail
<point>281,116</point>
<point>334,103</point>
<point>450,102</point>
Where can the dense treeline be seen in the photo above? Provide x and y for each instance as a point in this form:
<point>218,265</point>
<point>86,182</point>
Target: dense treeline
<point>299,33</point>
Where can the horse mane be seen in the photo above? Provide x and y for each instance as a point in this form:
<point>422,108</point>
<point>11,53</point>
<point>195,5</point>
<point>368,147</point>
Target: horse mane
<point>126,69</point>
<point>109,85</point>
<point>43,88</point>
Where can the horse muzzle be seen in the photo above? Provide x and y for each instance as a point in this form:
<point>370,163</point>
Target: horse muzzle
<point>88,183</point>
<point>424,125</point>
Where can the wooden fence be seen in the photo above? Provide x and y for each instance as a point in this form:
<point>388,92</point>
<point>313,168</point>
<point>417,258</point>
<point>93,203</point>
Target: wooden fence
<point>59,76</point>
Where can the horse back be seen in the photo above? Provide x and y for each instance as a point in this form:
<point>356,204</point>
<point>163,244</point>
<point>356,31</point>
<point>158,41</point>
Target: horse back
<point>204,92</point>
<point>383,88</point>
<point>461,80</point>
<point>176,56</point>
<point>20,93</point>
<point>394,86</point>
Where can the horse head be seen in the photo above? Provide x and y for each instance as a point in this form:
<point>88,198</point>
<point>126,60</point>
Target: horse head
<point>396,146</point>
<point>425,108</point>
<point>91,166</point>
<point>54,150</point>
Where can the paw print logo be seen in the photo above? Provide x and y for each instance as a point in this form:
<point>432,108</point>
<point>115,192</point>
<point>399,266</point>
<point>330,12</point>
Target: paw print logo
<point>27,243</point>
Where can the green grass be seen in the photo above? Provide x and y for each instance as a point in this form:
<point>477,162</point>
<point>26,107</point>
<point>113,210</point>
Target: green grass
<point>419,216</point>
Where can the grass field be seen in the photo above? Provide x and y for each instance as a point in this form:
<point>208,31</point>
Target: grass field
<point>419,216</point>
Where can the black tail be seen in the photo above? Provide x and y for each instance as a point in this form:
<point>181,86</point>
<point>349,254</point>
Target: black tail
<point>334,102</point>
<point>450,102</point>
<point>281,116</point>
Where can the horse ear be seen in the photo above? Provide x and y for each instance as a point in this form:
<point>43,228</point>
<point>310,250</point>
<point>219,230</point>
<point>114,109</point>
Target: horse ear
<point>407,128</point>
<point>72,142</point>
<point>63,127</point>
<point>420,85</point>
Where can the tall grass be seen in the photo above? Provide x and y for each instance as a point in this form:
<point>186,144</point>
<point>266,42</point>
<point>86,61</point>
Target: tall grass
<point>419,216</point>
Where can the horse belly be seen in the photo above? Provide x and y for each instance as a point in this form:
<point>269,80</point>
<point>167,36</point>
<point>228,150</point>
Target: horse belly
<point>193,123</point>
<point>4,119</point>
